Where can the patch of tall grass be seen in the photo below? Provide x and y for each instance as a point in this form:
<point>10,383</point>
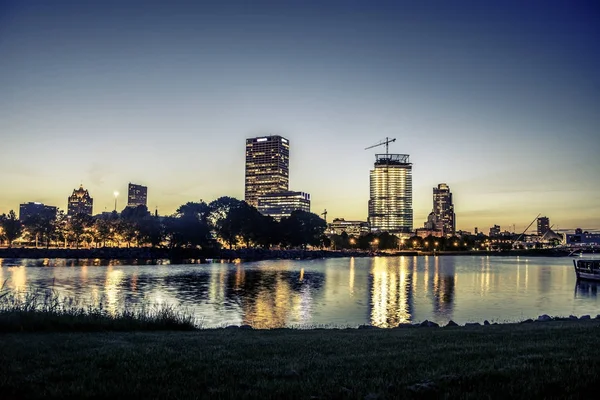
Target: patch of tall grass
<point>38,310</point>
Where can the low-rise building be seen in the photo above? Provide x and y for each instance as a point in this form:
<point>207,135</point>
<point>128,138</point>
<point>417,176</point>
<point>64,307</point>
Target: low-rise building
<point>28,210</point>
<point>282,204</point>
<point>584,239</point>
<point>352,228</point>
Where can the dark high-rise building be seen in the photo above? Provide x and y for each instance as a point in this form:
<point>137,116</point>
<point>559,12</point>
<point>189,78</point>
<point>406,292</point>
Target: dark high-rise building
<point>390,203</point>
<point>32,209</point>
<point>281,204</point>
<point>80,202</point>
<point>495,230</point>
<point>137,195</point>
<point>443,208</point>
<point>543,225</point>
<point>267,167</point>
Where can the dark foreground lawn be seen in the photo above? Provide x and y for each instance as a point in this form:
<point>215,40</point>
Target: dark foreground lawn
<point>535,360</point>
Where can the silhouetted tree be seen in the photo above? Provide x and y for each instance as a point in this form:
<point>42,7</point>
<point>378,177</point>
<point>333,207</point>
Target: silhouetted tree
<point>325,242</point>
<point>151,231</point>
<point>136,213</point>
<point>415,242</point>
<point>11,227</point>
<point>77,226</point>
<point>41,227</point>
<point>387,241</point>
<point>302,228</point>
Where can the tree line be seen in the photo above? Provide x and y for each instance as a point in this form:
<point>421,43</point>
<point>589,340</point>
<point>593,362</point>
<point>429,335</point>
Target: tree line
<point>224,222</point>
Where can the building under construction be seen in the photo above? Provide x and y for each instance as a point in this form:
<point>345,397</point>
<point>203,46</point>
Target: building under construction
<point>390,202</point>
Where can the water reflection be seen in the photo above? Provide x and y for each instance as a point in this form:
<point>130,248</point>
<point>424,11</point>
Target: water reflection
<point>444,281</point>
<point>586,289</point>
<point>383,291</point>
<point>391,291</point>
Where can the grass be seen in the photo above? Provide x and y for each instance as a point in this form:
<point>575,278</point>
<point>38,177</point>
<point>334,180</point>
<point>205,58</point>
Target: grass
<point>69,351</point>
<point>536,360</point>
<point>46,311</point>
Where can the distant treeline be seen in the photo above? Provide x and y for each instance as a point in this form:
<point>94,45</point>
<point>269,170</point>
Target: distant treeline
<point>225,222</point>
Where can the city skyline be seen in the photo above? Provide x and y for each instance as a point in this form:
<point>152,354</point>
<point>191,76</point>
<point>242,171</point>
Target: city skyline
<point>498,101</point>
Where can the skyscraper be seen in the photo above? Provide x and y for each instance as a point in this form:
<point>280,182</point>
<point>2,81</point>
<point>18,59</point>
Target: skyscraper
<point>390,203</point>
<point>443,208</point>
<point>543,225</point>
<point>267,167</point>
<point>137,195</point>
<point>80,202</point>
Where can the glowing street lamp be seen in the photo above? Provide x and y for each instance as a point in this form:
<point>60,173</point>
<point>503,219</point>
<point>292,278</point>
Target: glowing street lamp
<point>116,194</point>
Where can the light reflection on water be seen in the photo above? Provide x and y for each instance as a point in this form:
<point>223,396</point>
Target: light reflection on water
<point>382,291</point>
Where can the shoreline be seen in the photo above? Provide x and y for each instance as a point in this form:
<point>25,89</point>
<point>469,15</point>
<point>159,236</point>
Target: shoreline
<point>202,256</point>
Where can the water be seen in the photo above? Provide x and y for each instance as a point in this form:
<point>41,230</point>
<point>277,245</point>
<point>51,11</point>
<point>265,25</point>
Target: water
<point>382,291</point>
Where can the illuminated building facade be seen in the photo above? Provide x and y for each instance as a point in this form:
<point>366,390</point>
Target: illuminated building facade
<point>267,167</point>
<point>80,202</point>
<point>390,203</point>
<point>281,204</point>
<point>352,228</point>
<point>443,208</point>
<point>32,209</point>
<point>543,225</point>
<point>137,195</point>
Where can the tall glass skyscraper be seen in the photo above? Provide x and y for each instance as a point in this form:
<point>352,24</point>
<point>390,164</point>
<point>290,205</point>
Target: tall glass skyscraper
<point>390,203</point>
<point>443,208</point>
<point>267,167</point>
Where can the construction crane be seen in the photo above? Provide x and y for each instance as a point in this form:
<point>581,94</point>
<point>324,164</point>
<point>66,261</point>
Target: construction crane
<point>386,142</point>
<point>324,214</point>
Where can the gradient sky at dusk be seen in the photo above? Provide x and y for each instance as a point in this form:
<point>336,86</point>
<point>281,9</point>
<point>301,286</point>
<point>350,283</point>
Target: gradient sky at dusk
<point>501,101</point>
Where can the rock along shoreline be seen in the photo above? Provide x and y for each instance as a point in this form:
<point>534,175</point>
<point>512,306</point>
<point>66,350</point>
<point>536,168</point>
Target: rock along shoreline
<point>430,324</point>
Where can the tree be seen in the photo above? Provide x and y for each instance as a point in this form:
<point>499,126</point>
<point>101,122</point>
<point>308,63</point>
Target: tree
<point>104,229</point>
<point>325,242</point>
<point>11,226</point>
<point>222,222</point>
<point>136,213</point>
<point>41,227</point>
<point>302,228</point>
<point>387,241</point>
<point>77,227</point>
<point>151,231</point>
<point>201,211</point>
<point>189,227</point>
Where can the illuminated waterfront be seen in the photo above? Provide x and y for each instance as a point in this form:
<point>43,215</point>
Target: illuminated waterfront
<point>382,291</point>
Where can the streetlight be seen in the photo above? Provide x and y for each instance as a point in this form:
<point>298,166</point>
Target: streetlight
<point>116,194</point>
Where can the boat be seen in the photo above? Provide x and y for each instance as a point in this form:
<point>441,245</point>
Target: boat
<point>587,269</point>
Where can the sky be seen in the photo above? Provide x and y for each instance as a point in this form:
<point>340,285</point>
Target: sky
<point>499,99</point>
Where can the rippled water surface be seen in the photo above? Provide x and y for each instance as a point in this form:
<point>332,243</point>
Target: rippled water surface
<point>382,291</point>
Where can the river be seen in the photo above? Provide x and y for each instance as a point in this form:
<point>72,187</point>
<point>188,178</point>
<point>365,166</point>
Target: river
<point>381,291</point>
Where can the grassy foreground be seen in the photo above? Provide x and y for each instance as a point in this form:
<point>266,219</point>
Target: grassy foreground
<point>535,360</point>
